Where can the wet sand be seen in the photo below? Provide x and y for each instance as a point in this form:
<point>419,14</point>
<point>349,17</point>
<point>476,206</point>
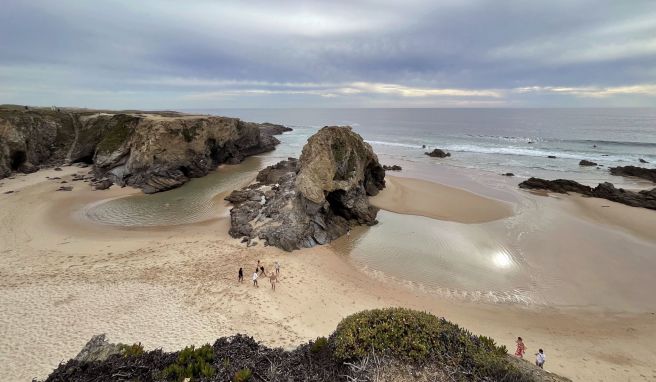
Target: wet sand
<point>423,198</point>
<point>64,279</point>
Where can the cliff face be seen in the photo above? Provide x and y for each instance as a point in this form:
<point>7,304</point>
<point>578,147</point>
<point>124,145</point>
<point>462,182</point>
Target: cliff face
<point>154,152</point>
<point>313,200</point>
<point>160,153</point>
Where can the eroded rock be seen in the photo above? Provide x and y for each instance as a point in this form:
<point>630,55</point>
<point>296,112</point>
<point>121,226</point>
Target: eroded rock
<point>644,199</point>
<point>633,171</point>
<point>585,162</point>
<point>312,200</point>
<point>393,167</point>
<point>438,153</point>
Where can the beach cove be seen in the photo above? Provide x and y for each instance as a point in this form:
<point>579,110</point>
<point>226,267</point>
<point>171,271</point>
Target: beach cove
<point>175,285</point>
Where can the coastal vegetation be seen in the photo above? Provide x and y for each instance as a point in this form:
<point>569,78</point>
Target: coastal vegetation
<point>376,345</point>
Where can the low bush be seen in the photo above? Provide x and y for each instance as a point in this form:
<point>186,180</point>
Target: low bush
<point>192,363</point>
<point>319,344</point>
<point>418,337</point>
<point>133,350</point>
<point>243,375</point>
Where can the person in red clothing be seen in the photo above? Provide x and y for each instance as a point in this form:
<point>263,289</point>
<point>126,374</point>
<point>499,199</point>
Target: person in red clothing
<point>521,348</point>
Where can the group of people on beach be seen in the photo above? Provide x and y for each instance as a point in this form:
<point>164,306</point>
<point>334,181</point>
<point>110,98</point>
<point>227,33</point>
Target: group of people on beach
<point>259,271</point>
<point>540,357</point>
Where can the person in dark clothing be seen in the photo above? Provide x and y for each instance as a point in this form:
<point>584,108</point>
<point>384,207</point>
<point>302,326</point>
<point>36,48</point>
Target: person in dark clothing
<point>241,275</point>
<point>262,270</point>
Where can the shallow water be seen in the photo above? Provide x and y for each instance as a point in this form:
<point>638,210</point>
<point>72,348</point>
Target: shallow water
<point>195,201</point>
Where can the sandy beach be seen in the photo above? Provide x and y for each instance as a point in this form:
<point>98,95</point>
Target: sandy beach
<point>64,278</point>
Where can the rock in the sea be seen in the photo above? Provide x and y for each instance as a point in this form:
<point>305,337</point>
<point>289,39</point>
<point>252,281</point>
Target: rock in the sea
<point>312,200</point>
<point>508,174</point>
<point>642,160</point>
<point>98,349</point>
<point>552,156</point>
<point>438,153</point>
<point>644,199</point>
<point>637,172</point>
<point>393,167</point>
<point>587,163</point>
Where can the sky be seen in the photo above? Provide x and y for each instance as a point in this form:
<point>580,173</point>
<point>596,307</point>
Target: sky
<point>341,53</point>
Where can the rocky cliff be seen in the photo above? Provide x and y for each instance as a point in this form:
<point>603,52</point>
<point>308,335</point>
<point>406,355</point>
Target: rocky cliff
<point>312,200</point>
<point>151,151</point>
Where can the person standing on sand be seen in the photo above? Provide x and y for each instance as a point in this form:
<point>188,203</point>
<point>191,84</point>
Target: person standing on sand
<point>241,275</point>
<point>255,279</point>
<point>273,279</point>
<point>521,348</point>
<point>540,358</point>
<point>277,265</point>
<point>262,270</point>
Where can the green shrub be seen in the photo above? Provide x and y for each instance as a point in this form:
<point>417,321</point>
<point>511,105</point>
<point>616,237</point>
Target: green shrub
<point>132,350</point>
<point>318,345</point>
<point>243,375</point>
<point>418,337</point>
<point>192,363</point>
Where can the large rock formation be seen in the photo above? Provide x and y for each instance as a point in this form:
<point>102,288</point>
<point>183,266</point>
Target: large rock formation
<point>312,200</point>
<point>438,153</point>
<point>645,198</point>
<point>638,172</point>
<point>151,151</point>
<point>159,153</point>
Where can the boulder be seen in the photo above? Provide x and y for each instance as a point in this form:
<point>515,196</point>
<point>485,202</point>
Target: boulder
<point>552,156</point>
<point>587,163</point>
<point>633,171</point>
<point>508,174</point>
<point>644,199</point>
<point>98,349</point>
<point>65,188</point>
<point>312,200</point>
<point>438,153</point>
<point>393,167</point>
<point>102,184</point>
<point>642,160</point>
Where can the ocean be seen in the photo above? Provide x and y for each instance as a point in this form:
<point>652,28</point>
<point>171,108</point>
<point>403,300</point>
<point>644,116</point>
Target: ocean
<point>492,140</point>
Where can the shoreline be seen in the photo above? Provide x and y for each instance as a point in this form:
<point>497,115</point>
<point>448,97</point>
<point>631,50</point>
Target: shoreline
<point>185,275</point>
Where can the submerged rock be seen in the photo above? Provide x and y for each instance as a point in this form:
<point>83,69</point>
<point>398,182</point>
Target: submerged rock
<point>312,200</point>
<point>642,160</point>
<point>393,167</point>
<point>552,156</point>
<point>587,163</point>
<point>438,153</point>
<point>508,174</point>
<point>644,199</point>
<point>637,172</point>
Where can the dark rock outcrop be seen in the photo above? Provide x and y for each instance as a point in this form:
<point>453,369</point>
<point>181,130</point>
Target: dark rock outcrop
<point>438,153</point>
<point>585,162</point>
<point>642,160</point>
<point>312,200</point>
<point>151,151</point>
<point>508,174</point>
<point>393,167</point>
<point>637,172</point>
<point>644,199</point>
<point>552,156</point>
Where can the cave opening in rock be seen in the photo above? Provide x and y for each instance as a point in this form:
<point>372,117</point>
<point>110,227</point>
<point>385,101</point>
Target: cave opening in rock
<point>215,152</point>
<point>18,158</point>
<point>185,170</point>
<point>336,201</point>
<point>86,159</point>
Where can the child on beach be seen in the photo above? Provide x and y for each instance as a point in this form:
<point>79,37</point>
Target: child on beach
<point>277,265</point>
<point>273,279</point>
<point>241,275</point>
<point>521,348</point>
<point>255,279</point>
<point>540,358</point>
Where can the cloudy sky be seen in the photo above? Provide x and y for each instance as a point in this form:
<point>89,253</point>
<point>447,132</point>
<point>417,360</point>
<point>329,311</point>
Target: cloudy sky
<point>338,53</point>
